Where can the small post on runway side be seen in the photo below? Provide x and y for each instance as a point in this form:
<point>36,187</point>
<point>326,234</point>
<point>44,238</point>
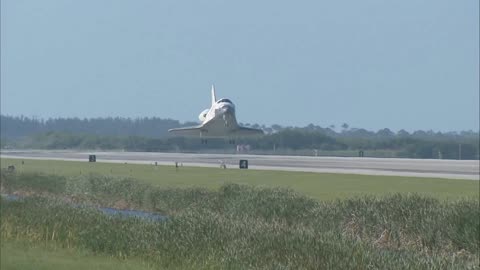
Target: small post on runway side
<point>243,164</point>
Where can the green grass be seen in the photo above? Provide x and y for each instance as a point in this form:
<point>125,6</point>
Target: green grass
<point>234,219</point>
<point>23,256</point>
<point>245,227</point>
<point>316,185</point>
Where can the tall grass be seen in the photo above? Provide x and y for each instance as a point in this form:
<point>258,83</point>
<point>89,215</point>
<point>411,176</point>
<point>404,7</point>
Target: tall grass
<point>245,227</point>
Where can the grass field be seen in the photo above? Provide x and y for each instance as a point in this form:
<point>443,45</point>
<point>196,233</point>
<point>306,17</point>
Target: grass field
<point>233,219</point>
<point>23,256</point>
<point>316,185</point>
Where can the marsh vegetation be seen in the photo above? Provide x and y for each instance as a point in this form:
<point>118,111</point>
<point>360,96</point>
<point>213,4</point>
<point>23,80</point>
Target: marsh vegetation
<point>240,226</point>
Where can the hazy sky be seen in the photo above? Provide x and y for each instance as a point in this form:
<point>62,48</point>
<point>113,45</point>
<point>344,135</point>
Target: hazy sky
<point>372,64</point>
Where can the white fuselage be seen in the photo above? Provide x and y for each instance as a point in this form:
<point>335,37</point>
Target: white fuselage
<point>220,119</point>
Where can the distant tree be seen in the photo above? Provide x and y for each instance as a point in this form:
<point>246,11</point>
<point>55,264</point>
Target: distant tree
<point>345,126</point>
<point>359,133</point>
<point>385,133</point>
<point>403,133</point>
<point>419,134</point>
<point>310,127</point>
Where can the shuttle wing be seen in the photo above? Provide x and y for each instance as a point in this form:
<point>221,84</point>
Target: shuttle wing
<point>187,131</point>
<point>244,131</point>
<point>200,130</point>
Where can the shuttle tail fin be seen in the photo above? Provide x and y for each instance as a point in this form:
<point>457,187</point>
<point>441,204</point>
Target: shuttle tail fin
<point>214,99</point>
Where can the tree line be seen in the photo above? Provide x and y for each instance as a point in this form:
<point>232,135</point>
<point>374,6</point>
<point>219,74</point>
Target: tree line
<point>151,134</point>
<point>13,127</point>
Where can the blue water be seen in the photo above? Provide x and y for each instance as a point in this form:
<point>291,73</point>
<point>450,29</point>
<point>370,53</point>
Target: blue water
<point>108,211</point>
<point>10,197</point>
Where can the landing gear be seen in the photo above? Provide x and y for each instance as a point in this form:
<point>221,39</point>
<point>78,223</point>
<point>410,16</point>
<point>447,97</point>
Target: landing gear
<point>204,141</point>
<point>225,121</point>
<point>231,141</point>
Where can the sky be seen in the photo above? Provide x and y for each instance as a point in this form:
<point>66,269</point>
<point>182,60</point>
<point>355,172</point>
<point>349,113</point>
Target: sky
<point>373,64</point>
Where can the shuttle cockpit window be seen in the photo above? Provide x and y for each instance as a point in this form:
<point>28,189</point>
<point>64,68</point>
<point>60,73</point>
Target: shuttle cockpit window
<point>224,100</point>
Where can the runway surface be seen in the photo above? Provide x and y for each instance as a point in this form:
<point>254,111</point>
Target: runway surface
<point>453,169</point>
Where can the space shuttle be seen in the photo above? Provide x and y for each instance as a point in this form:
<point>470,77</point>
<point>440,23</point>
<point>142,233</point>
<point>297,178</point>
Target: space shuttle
<point>219,121</point>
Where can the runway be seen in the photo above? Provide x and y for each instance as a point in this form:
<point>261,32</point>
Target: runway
<point>432,168</point>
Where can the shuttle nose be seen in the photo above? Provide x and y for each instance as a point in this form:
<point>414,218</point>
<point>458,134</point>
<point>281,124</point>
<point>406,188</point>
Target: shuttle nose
<point>228,109</point>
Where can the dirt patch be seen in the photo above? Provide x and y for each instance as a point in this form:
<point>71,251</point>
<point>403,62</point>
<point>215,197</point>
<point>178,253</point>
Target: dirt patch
<point>121,204</point>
